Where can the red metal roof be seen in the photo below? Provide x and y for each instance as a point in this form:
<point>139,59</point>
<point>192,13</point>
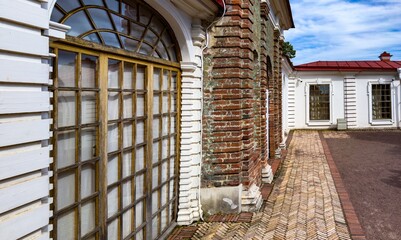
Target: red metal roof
<point>349,66</point>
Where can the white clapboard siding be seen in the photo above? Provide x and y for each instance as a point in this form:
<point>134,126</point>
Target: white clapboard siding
<point>25,222</point>
<point>23,162</point>
<point>24,102</point>
<point>13,71</point>
<point>23,42</point>
<point>38,235</point>
<point>23,13</point>
<point>23,193</point>
<point>23,132</point>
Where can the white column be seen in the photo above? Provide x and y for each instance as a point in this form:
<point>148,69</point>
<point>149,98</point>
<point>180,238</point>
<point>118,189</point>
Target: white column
<point>189,209</point>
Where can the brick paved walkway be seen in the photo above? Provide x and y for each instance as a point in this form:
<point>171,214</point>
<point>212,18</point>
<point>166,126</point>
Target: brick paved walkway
<point>304,203</point>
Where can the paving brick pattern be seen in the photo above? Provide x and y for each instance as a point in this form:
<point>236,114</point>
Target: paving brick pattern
<point>304,203</point>
<point>335,134</point>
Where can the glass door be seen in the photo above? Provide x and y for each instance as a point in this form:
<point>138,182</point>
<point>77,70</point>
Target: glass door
<point>115,146</point>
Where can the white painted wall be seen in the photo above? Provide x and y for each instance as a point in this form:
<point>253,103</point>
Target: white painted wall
<point>24,120</point>
<point>351,87</point>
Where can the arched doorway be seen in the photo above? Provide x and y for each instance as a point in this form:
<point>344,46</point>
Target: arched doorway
<point>116,115</point>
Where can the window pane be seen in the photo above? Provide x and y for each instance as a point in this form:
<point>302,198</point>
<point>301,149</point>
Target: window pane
<point>88,144</point>
<point>66,108</point>
<point>165,103</point>
<point>162,51</point>
<point>145,49</point>
<point>155,152</point>
<point>56,15</point>
<point>140,132</point>
<point>128,76</point>
<point>136,31</point>
<point>65,149</point>
<point>130,44</point>
<point>113,107</point>
<point>127,135</point>
<point>150,38</point>
<point>140,78</point>
<point>156,103</point>
<point>79,23</point>
<point>126,188</point>
<point>113,5</point>
<point>139,214</point>
<point>121,24</point>
<point>128,105</point>
<point>140,105</point>
<point>66,226</point>
<point>164,148</point>
<point>127,226</point>
<point>319,102</point>
<point>127,164</point>
<point>88,179</point>
<point>144,15</point>
<point>69,5</point>
<point>140,159</point>
<point>112,202</point>
<point>112,230</point>
<point>112,170</point>
<point>93,37</point>
<point>88,222</point>
<point>381,101</point>
<point>114,69</point>
<point>100,18</point>
<point>65,189</point>
<point>112,142</point>
<point>110,39</point>
<point>88,114</point>
<point>66,69</point>
<point>130,11</point>
<point>156,124</point>
<point>94,2</point>
<point>88,71</point>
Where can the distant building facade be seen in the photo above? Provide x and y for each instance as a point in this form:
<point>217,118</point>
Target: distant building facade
<point>120,119</point>
<point>345,94</point>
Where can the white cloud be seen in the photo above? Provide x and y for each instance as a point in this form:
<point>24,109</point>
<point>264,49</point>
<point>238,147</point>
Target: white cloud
<point>345,29</point>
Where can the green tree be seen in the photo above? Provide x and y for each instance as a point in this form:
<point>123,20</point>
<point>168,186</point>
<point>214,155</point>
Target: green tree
<point>288,50</point>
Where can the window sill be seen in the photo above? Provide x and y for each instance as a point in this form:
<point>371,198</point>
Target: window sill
<point>319,123</point>
<point>382,122</point>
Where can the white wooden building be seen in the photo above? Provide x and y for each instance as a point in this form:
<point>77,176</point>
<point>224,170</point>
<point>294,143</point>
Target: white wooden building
<point>68,139</point>
<point>344,94</point>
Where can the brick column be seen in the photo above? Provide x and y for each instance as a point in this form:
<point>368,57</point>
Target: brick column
<point>275,90</point>
<point>266,75</point>
<point>231,116</point>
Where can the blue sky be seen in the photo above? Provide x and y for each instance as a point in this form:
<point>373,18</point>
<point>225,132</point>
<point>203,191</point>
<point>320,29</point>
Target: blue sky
<point>345,29</point>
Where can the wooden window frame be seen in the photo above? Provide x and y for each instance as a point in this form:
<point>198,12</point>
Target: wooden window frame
<point>102,187</point>
<point>386,121</point>
<point>312,122</point>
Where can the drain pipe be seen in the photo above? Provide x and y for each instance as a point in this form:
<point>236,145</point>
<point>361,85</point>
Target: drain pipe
<point>201,139</point>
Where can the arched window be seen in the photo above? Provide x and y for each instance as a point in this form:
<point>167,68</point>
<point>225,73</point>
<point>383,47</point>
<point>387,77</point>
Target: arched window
<point>131,26</point>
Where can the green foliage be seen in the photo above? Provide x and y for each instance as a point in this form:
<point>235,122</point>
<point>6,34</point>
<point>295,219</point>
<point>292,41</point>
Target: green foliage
<point>288,50</point>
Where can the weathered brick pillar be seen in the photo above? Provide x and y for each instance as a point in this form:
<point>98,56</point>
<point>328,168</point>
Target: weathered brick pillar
<point>231,167</point>
<point>275,89</point>
<point>266,44</point>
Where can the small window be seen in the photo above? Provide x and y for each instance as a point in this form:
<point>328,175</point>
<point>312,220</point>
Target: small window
<point>381,101</point>
<point>319,102</point>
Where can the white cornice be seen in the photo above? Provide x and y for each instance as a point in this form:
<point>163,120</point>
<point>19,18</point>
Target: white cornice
<point>205,10</point>
<point>282,14</point>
